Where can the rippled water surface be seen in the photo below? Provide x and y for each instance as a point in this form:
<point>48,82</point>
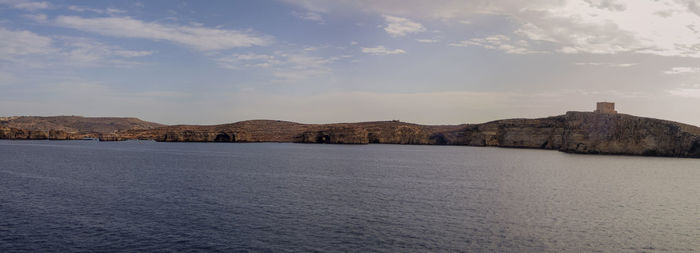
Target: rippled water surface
<point>148,196</point>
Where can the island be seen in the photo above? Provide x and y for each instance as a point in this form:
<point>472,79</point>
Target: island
<point>603,131</point>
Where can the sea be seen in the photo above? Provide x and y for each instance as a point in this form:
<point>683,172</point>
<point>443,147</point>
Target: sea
<point>143,196</point>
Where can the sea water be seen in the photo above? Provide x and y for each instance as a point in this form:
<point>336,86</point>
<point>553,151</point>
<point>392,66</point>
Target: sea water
<point>68,196</point>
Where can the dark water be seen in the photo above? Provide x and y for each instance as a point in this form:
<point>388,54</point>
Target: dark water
<point>147,196</point>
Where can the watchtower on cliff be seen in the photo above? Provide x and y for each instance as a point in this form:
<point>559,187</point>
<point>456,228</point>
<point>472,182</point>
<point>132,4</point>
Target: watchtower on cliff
<point>605,107</point>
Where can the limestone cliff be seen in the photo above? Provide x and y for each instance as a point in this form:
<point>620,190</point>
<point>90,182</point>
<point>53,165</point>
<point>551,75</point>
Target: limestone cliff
<point>336,135</point>
<point>543,133</point>
<point>576,132</point>
<point>21,134</point>
<point>386,132</point>
<point>630,135</point>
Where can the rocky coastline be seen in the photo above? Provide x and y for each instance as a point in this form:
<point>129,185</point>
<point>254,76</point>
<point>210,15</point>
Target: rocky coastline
<point>574,132</point>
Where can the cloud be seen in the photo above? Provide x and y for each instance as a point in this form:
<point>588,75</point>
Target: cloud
<point>381,50</point>
<point>427,41</point>
<point>606,64</point>
<point>284,66</point>
<point>109,11</point>
<point>39,18</point>
<point>198,37</point>
<point>659,27</point>
<point>399,27</point>
<point>444,10</point>
<point>22,43</point>
<point>30,50</point>
<point>83,51</point>
<point>310,16</point>
<point>498,42</point>
<point>26,5</point>
<point>611,5</point>
<point>685,92</point>
<point>681,70</point>
<point>611,27</point>
<point>238,61</point>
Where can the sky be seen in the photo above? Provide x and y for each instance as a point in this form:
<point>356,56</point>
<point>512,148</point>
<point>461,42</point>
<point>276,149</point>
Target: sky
<point>322,61</point>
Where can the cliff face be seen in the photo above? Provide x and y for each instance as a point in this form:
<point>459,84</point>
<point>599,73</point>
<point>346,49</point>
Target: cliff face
<point>576,132</point>
<point>630,135</point>
<point>336,135</point>
<point>245,131</point>
<point>386,132</point>
<point>21,134</point>
<point>543,133</point>
<point>197,136</point>
<point>70,127</point>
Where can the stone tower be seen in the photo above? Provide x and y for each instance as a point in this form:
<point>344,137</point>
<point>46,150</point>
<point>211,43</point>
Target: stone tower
<point>605,107</point>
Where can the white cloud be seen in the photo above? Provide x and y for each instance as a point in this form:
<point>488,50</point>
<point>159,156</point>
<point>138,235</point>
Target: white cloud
<point>398,27</point>
<point>302,66</point>
<point>309,15</point>
<point>30,50</point>
<point>40,18</point>
<point>238,61</point>
<point>498,42</point>
<point>22,43</point>
<point>658,27</point>
<point>132,53</point>
<point>421,9</point>
<point>685,92</point>
<point>612,27</point>
<point>427,41</point>
<point>110,11</point>
<point>284,66</point>
<point>681,70</point>
<point>381,50</point>
<point>611,5</point>
<point>26,5</point>
<point>82,51</point>
<point>197,37</point>
<point>606,64</point>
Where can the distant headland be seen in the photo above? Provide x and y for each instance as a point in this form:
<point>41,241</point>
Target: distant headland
<point>603,131</point>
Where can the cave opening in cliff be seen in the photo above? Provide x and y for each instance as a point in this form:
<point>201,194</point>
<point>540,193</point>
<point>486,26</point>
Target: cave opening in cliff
<point>695,149</point>
<point>324,138</point>
<point>439,139</point>
<point>223,137</point>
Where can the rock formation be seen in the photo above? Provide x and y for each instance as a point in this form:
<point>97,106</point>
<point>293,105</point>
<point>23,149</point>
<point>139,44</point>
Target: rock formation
<point>625,134</point>
<point>22,134</point>
<point>76,124</point>
<point>576,132</point>
<point>68,127</point>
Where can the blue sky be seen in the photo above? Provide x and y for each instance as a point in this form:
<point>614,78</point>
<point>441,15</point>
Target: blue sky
<point>315,61</point>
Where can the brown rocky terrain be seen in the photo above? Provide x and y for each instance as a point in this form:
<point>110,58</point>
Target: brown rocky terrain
<point>393,132</point>
<point>75,124</point>
<point>629,135</point>
<point>576,132</point>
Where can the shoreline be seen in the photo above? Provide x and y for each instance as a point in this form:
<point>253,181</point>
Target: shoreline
<point>573,132</point>
<point>368,144</point>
